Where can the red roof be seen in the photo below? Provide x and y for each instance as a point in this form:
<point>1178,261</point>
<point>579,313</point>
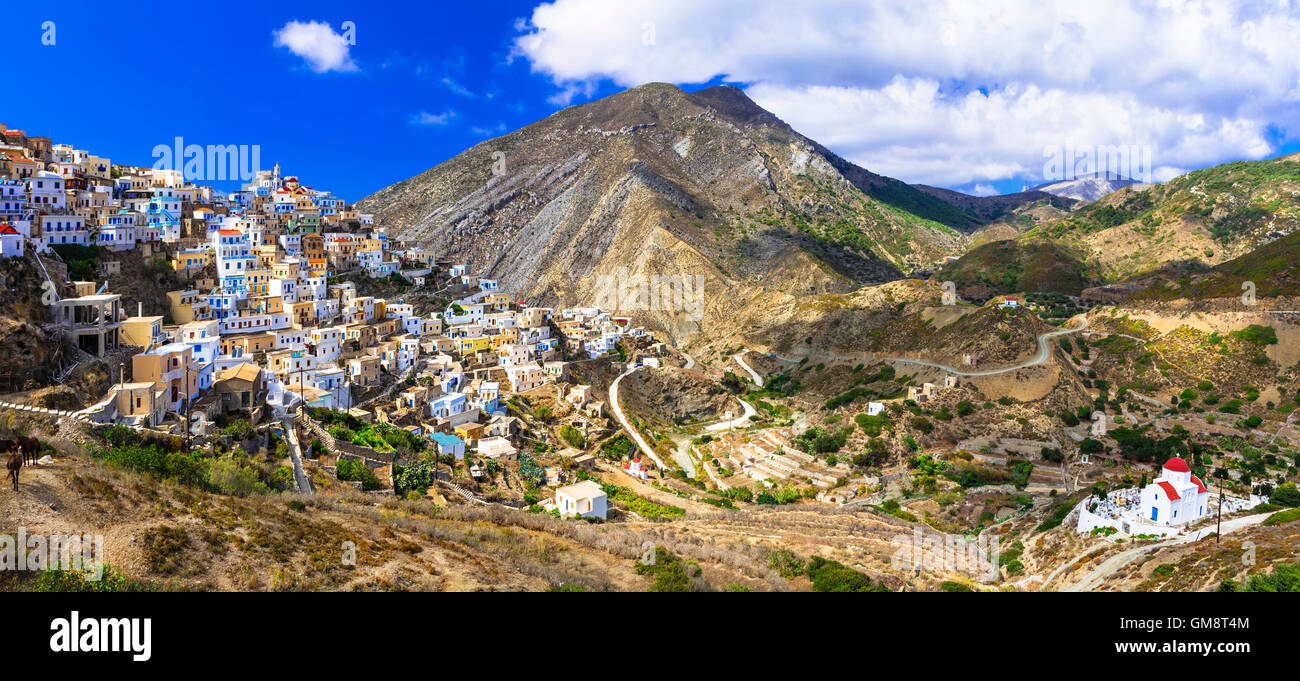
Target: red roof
<point>1200,486</point>
<point>1169,490</point>
<point>1177,465</point>
<point>8,229</point>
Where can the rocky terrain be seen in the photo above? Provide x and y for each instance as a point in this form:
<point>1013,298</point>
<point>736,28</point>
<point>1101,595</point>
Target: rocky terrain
<point>668,183</point>
<point>1086,188</point>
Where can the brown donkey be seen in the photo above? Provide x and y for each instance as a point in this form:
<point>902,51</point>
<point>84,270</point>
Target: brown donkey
<point>14,465</point>
<point>31,448</point>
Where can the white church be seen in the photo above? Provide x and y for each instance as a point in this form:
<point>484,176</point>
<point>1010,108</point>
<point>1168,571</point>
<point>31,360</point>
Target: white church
<point>1176,497</point>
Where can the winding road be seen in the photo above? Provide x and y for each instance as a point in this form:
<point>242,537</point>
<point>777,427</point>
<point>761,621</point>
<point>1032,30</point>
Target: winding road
<point>1044,353</point>
<point>736,422</point>
<point>617,410</point>
<point>740,359</point>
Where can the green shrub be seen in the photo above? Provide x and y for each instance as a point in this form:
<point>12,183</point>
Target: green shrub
<point>573,437</point>
<point>786,563</point>
<point>830,576</point>
<point>354,470</point>
<point>228,477</point>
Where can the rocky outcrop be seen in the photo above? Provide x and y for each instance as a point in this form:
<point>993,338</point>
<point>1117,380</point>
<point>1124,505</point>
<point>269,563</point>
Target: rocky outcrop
<point>658,182</point>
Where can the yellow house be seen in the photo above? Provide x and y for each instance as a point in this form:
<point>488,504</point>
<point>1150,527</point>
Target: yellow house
<point>259,282</point>
<point>190,260</point>
<point>471,345</point>
<point>498,301</point>
<point>187,306</point>
<point>469,432</point>
<point>142,331</point>
<point>286,269</point>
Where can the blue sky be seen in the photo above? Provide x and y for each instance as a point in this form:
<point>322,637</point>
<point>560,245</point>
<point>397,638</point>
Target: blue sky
<point>211,74</point>
<point>972,96</point>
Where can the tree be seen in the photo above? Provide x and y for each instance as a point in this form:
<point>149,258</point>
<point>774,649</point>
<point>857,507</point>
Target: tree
<point>1091,446</point>
<point>1286,495</point>
<point>573,437</point>
<point>733,383</point>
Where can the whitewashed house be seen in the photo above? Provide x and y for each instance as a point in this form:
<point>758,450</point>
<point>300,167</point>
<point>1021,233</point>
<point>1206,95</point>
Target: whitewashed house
<point>585,499</point>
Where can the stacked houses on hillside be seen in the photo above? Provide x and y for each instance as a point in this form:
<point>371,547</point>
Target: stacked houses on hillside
<point>270,318</point>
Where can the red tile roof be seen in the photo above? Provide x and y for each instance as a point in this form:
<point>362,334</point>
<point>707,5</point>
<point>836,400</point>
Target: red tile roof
<point>1200,486</point>
<point>1169,490</point>
<point>1177,465</point>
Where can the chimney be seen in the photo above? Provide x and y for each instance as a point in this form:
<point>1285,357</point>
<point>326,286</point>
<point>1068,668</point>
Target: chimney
<point>139,309</point>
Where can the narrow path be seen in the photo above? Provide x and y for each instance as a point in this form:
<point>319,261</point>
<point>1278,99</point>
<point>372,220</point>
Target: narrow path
<point>291,436</point>
<point>1044,353</point>
<point>617,410</point>
<point>740,422</point>
<point>1119,560</point>
<point>682,453</point>
<point>740,359</point>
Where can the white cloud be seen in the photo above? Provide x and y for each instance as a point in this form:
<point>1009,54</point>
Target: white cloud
<point>952,92</point>
<point>570,90</point>
<point>317,43</point>
<point>489,131</point>
<point>456,88</point>
<point>426,118</point>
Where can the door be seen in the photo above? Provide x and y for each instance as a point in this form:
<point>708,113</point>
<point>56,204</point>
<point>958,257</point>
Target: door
<point>1155,513</point>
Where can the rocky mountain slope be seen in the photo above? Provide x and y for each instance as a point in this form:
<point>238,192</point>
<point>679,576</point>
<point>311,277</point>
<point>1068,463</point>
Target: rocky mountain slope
<point>669,183</point>
<point>1012,266</point>
<point>1087,188</point>
<point>1001,206</point>
<point>1207,216</point>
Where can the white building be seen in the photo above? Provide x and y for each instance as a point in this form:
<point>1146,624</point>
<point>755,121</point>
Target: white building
<point>64,229</point>
<point>585,499</point>
<point>636,469</point>
<point>11,242</point>
<point>1176,497</point>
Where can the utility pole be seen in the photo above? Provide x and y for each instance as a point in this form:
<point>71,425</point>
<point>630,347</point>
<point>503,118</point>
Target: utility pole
<point>1218,524</point>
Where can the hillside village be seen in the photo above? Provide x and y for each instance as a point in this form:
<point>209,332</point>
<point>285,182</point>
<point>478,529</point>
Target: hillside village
<point>270,327</point>
<point>289,343</point>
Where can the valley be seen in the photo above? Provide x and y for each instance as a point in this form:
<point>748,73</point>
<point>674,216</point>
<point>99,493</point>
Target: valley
<point>661,341</point>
